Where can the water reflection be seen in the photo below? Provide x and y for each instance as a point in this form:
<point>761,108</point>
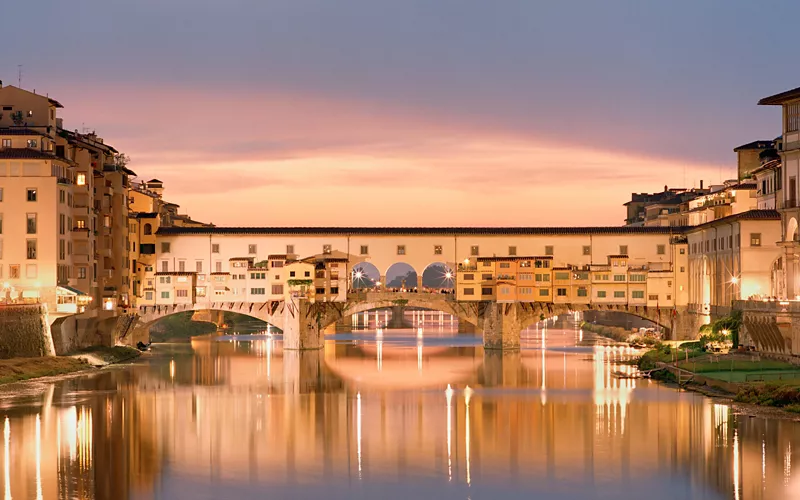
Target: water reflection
<point>398,413</point>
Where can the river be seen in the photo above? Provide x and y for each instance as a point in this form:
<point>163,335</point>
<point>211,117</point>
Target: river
<point>421,412</point>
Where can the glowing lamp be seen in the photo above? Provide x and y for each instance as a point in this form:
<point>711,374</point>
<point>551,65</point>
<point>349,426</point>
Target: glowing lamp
<point>734,280</point>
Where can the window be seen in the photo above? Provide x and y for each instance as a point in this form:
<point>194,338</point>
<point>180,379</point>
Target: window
<point>13,271</point>
<point>669,284</point>
<point>619,277</point>
<point>623,249</point>
<point>561,292</point>
<point>307,274</point>
<point>469,277</point>
<point>258,291</point>
<point>164,295</point>
<point>290,249</point>
<point>619,294</point>
<point>31,248</point>
<point>182,266</point>
<point>164,280</point>
<point>215,248</point>
<point>31,194</point>
<point>525,277</point>
<point>601,294</point>
<point>755,239</point>
<point>326,249</point>
<point>81,273</point>
<point>320,290</point>
<point>474,250</point>
<point>62,249</point>
<point>505,265</point>
<point>601,277</point>
<point>198,266</point>
<point>793,117</point>
<point>165,247</point>
<point>486,291</point>
<point>683,250</point>
<point>544,292</point>
<point>334,290</point>
<point>587,250</point>
<point>582,292</point>
<point>638,277</point>
<point>252,249</point>
<point>581,276</point>
<point>542,277</point>
<point>263,276</point>
<point>669,297</point>
<point>182,293</point>
<point>548,250</point>
<point>6,143</point>
<point>200,291</point>
<point>563,276</point>
<point>469,291</point>
<point>653,297</point>
<point>401,249</point>
<point>661,249</point>
<point>32,143</point>
<point>148,229</point>
<point>486,277</point>
<point>80,179</point>
<point>512,250</point>
<point>364,250</point>
<point>164,266</point>
<point>683,269</point>
<point>637,294</point>
<point>277,289</point>
<point>276,263</point>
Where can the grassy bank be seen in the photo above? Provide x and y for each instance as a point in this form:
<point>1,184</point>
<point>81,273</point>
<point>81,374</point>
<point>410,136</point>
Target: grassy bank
<point>18,369</point>
<point>663,353</point>
<point>617,333</point>
<point>774,394</point>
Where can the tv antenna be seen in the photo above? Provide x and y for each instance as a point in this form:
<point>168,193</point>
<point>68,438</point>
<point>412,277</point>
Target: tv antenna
<point>19,75</point>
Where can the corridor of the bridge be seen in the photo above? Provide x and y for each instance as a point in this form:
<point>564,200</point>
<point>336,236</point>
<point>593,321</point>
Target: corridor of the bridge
<point>237,414</point>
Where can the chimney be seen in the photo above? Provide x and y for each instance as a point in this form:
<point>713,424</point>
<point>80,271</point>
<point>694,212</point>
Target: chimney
<point>1,84</point>
<point>701,184</point>
<point>666,188</point>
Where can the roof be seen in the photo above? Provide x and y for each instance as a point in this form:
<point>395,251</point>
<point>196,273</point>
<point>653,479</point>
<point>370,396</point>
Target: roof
<point>514,258</point>
<point>27,154</point>
<point>449,231</point>
<point>71,289</point>
<point>781,98</point>
<point>619,256</point>
<point>146,215</point>
<point>242,258</point>
<point>755,214</point>
<point>769,165</point>
<point>152,181</point>
<point>762,144</point>
<point>177,273</point>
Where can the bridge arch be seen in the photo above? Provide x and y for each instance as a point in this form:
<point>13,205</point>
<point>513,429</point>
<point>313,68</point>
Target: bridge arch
<point>661,317</point>
<point>364,275</point>
<point>401,275</point>
<point>438,275</point>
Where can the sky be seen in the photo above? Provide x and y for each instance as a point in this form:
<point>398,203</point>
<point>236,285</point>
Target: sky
<point>411,112</point>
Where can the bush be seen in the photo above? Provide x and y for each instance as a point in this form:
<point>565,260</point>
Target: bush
<point>770,394</point>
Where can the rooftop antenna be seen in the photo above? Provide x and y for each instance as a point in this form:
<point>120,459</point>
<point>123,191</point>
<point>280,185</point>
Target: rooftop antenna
<point>19,75</point>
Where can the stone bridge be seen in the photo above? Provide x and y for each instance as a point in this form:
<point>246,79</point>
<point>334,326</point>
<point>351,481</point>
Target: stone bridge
<point>304,322</point>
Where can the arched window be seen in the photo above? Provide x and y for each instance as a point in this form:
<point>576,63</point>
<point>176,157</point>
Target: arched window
<point>148,229</point>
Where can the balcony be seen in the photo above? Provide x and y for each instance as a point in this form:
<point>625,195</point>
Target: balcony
<point>506,277</point>
<point>80,233</point>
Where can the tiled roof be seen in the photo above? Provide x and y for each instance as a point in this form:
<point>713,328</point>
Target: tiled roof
<point>242,258</point>
<point>514,258</point>
<point>763,144</point>
<point>749,215</point>
<point>146,215</point>
<point>176,273</point>
<point>26,154</point>
<point>620,256</point>
<point>781,98</point>
<point>450,231</point>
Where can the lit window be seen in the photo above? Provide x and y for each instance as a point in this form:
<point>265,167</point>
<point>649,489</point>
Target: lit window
<point>80,180</point>
<point>32,143</point>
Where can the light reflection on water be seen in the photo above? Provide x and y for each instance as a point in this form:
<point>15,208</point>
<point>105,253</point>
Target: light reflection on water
<point>390,413</point>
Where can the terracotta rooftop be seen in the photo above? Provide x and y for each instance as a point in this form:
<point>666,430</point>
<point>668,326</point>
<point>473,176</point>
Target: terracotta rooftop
<point>763,144</point>
<point>749,215</point>
<point>449,231</point>
<point>20,131</point>
<point>27,154</point>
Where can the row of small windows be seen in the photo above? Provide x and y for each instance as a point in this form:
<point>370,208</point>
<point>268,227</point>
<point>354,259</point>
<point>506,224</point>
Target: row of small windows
<point>724,243</point>
<point>474,250</point>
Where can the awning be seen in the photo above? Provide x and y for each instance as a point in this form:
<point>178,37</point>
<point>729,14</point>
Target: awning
<point>68,290</point>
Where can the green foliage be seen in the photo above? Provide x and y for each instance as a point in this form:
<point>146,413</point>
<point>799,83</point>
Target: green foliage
<point>262,264</point>
<point>663,353</point>
<point>771,394</point>
<point>299,282</point>
<point>400,302</point>
<point>730,324</point>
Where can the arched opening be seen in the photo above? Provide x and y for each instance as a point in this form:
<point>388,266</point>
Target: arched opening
<point>401,277</point>
<point>364,276</point>
<point>791,230</point>
<point>148,228</point>
<point>438,277</point>
<point>182,326</point>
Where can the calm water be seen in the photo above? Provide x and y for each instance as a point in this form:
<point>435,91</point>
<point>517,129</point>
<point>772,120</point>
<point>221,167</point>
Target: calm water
<point>386,414</point>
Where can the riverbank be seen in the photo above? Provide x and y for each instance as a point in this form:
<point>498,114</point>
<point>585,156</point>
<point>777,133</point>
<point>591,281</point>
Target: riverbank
<point>756,384</point>
<point>21,369</point>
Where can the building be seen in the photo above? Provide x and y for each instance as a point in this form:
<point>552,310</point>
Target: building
<point>63,232</point>
<point>748,157</point>
<point>769,180</point>
<point>789,102</point>
<point>734,258</point>
<point>666,208</point>
<point>730,198</point>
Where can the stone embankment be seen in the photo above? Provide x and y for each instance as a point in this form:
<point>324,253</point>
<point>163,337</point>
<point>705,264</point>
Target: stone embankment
<point>20,369</point>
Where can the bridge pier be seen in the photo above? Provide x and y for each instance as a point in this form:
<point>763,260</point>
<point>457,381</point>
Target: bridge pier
<point>302,371</point>
<point>502,325</point>
<point>398,318</point>
<point>302,326</point>
<point>345,324</point>
<point>502,368</point>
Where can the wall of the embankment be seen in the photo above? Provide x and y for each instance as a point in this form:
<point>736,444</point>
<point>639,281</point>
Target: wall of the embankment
<point>25,331</point>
